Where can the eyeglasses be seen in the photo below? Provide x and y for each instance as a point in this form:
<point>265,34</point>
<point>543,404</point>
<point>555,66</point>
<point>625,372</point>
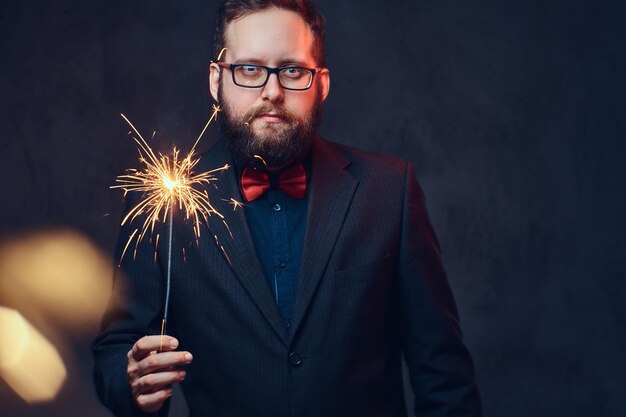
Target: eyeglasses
<point>256,76</point>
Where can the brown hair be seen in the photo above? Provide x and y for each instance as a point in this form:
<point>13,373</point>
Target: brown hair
<point>234,9</point>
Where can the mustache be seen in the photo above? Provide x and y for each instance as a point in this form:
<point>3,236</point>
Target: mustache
<point>268,108</point>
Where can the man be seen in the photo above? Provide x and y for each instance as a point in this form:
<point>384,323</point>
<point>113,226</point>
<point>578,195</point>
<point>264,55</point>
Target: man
<point>332,271</point>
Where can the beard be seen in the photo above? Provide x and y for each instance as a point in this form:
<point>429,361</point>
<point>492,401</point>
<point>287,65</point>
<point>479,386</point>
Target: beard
<point>278,146</point>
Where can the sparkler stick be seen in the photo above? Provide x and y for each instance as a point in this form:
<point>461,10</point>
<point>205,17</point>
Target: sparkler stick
<point>167,182</point>
<point>169,275</point>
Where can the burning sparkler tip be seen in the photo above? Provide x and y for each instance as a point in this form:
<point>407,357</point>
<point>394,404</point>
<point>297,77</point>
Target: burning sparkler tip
<point>166,181</point>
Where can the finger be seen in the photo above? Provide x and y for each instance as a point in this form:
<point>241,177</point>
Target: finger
<point>163,361</point>
<point>156,382</point>
<point>152,402</point>
<point>147,344</point>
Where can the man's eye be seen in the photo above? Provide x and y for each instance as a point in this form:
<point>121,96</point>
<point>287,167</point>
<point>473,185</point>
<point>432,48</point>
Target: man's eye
<point>249,69</point>
<point>293,72</point>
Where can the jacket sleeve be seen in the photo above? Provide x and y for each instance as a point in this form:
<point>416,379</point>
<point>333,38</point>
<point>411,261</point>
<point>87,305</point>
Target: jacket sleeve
<point>135,310</point>
<point>440,367</point>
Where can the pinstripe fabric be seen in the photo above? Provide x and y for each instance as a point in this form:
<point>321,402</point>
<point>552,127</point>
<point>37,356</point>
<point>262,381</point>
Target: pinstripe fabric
<point>371,287</point>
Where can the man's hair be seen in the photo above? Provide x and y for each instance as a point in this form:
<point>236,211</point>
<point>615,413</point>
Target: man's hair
<point>234,9</point>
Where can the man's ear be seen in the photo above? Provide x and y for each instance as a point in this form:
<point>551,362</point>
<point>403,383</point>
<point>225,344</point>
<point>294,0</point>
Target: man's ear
<point>214,80</point>
<point>324,80</point>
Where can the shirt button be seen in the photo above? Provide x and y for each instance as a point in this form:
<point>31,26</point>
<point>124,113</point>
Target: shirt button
<point>295,359</point>
<point>277,207</point>
<point>282,264</point>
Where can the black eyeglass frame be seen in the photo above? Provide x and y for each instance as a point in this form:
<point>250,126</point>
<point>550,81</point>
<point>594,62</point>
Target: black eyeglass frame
<point>270,71</point>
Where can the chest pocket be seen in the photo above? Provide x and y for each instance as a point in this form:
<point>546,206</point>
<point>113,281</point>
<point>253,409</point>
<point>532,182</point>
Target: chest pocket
<point>380,268</point>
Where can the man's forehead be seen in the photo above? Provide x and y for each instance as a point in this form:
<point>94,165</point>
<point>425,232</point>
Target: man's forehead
<point>270,35</point>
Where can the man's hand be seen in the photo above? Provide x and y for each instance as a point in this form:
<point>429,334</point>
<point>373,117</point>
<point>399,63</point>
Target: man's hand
<point>151,373</point>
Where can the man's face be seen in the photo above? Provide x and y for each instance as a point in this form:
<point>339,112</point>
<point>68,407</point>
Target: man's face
<point>271,122</point>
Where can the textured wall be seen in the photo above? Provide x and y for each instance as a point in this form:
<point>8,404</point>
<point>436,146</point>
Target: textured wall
<point>512,112</point>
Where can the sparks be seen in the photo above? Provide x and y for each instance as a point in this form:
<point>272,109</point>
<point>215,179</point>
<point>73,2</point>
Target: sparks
<point>260,158</point>
<point>236,204</point>
<point>219,57</point>
<point>167,182</point>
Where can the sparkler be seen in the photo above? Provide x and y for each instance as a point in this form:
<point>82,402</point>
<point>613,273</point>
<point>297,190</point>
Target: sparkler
<point>167,182</point>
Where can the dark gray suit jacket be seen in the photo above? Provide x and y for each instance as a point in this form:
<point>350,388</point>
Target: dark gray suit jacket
<point>371,288</point>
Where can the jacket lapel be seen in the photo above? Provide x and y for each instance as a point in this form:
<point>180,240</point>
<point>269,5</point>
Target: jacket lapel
<point>332,189</point>
<point>232,236</point>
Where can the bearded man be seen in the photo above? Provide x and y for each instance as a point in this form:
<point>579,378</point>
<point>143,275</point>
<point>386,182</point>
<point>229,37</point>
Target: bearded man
<point>332,273</point>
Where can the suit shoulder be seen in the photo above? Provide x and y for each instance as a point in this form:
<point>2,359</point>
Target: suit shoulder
<point>373,163</point>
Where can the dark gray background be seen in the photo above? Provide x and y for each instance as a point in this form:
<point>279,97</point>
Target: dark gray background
<point>512,112</point>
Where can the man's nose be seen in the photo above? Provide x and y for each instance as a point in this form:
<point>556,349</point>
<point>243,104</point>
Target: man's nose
<point>272,90</point>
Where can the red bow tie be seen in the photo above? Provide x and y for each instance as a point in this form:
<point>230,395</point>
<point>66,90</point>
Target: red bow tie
<point>254,183</point>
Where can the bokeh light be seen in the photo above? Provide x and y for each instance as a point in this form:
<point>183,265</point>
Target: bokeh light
<point>29,363</point>
<point>59,277</point>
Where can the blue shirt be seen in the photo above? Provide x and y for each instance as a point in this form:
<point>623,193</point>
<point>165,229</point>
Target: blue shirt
<point>277,224</point>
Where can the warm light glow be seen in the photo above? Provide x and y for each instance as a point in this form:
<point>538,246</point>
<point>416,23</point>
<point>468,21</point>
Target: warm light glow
<point>167,182</point>
<point>29,363</point>
<point>56,276</point>
<point>170,184</point>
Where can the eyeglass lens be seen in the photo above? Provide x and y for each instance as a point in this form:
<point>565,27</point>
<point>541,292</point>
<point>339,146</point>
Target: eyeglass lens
<point>256,76</point>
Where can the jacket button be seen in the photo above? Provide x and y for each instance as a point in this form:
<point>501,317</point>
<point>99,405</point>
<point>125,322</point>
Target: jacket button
<point>295,359</point>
